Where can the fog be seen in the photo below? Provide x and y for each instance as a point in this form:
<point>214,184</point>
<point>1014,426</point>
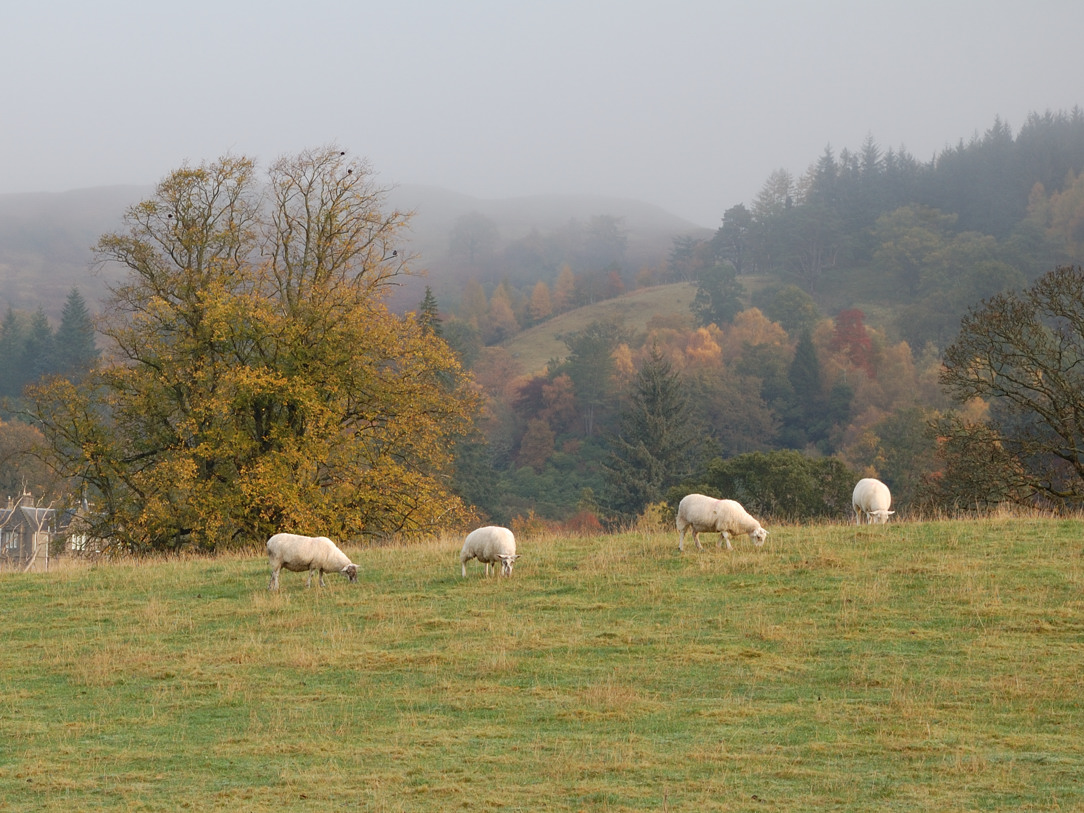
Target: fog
<point>686,105</point>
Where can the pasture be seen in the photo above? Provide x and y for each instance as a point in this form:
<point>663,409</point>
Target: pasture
<point>913,666</point>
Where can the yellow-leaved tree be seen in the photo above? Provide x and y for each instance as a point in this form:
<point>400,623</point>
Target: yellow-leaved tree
<point>255,382</point>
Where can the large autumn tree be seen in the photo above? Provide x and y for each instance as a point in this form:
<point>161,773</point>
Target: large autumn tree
<point>1023,352</point>
<point>255,380</point>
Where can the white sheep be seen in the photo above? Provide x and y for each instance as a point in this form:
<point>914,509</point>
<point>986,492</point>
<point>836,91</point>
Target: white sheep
<point>312,553</point>
<point>871,499</point>
<point>490,545</point>
<point>726,517</point>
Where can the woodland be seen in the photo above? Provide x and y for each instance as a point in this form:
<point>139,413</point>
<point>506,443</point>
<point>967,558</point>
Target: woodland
<point>800,345</point>
<point>812,350</point>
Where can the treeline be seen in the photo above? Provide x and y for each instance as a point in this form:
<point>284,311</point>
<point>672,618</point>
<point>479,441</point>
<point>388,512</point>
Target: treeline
<point>624,416</point>
<point>876,229</point>
<point>31,349</point>
<point>781,355</point>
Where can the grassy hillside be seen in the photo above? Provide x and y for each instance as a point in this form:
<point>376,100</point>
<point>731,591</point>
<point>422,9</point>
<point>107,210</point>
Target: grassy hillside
<point>536,346</point>
<point>901,667</point>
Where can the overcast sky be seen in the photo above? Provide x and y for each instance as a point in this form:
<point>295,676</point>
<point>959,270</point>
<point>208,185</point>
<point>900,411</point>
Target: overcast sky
<point>687,104</point>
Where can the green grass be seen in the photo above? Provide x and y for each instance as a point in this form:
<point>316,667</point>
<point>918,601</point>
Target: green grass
<point>926,666</point>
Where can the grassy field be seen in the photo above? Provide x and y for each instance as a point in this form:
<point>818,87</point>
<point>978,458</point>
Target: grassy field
<point>924,666</point>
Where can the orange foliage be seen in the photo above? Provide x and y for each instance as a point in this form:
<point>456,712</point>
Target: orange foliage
<point>751,327</point>
<point>703,346</point>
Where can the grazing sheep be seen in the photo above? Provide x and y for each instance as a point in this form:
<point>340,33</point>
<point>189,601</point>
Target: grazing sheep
<point>312,553</point>
<point>725,517</point>
<point>871,499</point>
<point>490,545</point>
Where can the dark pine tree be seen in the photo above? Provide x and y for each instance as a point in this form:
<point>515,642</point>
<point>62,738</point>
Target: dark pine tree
<point>809,414</point>
<point>75,350</point>
<point>429,313</point>
<point>39,352</point>
<point>806,401</point>
<point>12,340</point>
<point>651,450</point>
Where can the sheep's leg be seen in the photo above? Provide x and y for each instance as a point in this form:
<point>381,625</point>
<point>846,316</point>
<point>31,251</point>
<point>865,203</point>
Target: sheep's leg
<point>320,573</point>
<point>308,579</point>
<point>696,539</point>
<point>724,537</point>
<point>681,540</point>
<point>274,585</point>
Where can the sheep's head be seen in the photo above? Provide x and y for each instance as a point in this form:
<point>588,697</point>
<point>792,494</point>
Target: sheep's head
<point>507,560</point>
<point>351,572</point>
<point>880,517</point>
<point>759,535</point>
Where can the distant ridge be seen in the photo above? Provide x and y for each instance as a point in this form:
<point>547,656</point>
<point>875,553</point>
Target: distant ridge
<point>47,238</point>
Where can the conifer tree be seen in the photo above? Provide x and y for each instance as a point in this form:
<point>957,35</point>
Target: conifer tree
<point>39,349</point>
<point>651,450</point>
<point>12,340</point>
<point>429,313</point>
<point>76,352</point>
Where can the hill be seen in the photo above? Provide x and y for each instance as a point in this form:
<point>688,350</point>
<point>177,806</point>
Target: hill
<point>46,243</point>
<point>46,240</point>
<point>536,346</point>
<point>913,666</point>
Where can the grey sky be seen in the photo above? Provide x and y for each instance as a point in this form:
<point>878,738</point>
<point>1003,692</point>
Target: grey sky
<point>685,104</point>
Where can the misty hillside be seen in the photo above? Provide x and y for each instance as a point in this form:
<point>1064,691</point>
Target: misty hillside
<point>46,242</point>
<point>46,239</point>
<point>649,230</point>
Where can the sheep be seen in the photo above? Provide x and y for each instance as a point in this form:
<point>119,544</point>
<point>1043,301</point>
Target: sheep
<point>702,513</point>
<point>871,499</point>
<point>490,545</point>
<point>312,553</point>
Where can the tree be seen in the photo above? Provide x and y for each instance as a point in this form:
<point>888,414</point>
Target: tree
<point>257,382</point>
<point>536,446</point>
<point>501,321</point>
<point>590,366</point>
<point>13,332</point>
<point>651,449</point>
<point>1024,352</point>
<point>38,357</point>
<point>809,414</point>
<point>812,235</point>
<point>429,313</point>
<point>718,296</point>
<point>792,307</point>
<point>851,337</point>
<point>604,242</point>
<point>75,350</point>
<point>732,238</point>
<point>781,484</point>
<point>564,289</point>
<point>907,240</point>
<point>541,305</point>
<point>20,469</point>
<point>473,239</point>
